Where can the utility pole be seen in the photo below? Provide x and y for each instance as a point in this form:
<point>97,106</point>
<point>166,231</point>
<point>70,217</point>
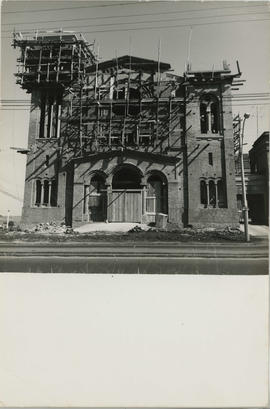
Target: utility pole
<point>7,219</point>
<point>244,195</point>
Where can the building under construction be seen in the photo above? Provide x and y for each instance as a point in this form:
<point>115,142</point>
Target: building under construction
<point>125,139</point>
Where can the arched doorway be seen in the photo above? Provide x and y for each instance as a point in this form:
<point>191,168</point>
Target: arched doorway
<point>157,195</point>
<point>95,199</point>
<point>125,204</point>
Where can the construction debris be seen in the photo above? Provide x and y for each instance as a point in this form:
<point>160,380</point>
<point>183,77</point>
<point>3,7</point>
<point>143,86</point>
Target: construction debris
<point>51,228</point>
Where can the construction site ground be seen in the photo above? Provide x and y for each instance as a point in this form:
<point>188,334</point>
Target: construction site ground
<point>132,232</point>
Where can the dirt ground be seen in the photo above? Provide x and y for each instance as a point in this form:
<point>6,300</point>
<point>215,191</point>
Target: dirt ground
<point>184,235</point>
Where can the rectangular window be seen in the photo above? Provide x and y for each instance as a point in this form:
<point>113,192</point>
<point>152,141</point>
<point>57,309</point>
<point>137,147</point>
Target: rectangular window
<point>210,158</point>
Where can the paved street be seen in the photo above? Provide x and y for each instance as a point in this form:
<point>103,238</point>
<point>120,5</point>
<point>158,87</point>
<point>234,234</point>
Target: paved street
<point>135,265</point>
<point>136,258</point>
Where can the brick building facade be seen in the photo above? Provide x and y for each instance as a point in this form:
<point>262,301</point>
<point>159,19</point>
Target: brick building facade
<point>125,139</point>
<point>256,165</point>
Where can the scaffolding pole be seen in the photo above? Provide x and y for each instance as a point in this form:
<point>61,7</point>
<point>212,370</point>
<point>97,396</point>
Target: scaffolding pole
<point>96,74</point>
<point>58,64</point>
<point>158,87</point>
<point>39,64</point>
<point>170,120</point>
<point>110,125</point>
<point>48,65</point>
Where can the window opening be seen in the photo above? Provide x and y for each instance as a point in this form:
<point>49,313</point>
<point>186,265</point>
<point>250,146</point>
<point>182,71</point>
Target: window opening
<point>95,199</point>
<point>46,192</point>
<point>221,194</point>
<point>122,95</point>
<point>47,160</point>
<point>203,191</point>
<point>126,178</point>
<point>38,193</point>
<point>210,158</point>
<point>54,193</point>
<point>212,193</point>
<point>157,195</point>
<point>209,114</point>
<point>50,112</point>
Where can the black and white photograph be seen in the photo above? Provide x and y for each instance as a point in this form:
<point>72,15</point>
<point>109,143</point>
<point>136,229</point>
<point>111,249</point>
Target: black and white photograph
<point>134,203</point>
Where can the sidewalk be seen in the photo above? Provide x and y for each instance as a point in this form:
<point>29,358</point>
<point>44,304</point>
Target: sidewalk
<point>256,230</point>
<point>109,227</point>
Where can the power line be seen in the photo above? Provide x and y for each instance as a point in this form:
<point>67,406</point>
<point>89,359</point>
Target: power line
<point>136,15</point>
<point>175,26</point>
<point>148,21</point>
<point>75,8</point>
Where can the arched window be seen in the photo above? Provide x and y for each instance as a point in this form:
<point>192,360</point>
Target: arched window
<point>157,195</point>
<point>97,184</point>
<point>126,178</point>
<point>222,202</point>
<point>212,194</point>
<point>203,191</point>
<point>38,193</point>
<point>53,193</point>
<point>46,192</point>
<point>209,114</point>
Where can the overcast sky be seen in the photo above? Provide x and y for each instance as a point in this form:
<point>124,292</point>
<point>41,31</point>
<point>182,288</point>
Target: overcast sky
<point>217,30</point>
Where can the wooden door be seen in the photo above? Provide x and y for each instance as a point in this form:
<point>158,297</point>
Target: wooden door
<point>126,206</point>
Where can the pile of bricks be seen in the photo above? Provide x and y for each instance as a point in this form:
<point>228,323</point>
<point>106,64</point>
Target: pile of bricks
<point>51,228</point>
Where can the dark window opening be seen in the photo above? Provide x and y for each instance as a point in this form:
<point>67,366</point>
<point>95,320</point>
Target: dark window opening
<point>212,193</point>
<point>42,116</point>
<point>157,195</point>
<point>38,193</point>
<point>54,193</point>
<point>131,139</point>
<point>95,199</point>
<point>46,192</point>
<point>127,107</point>
<point>126,178</point>
<point>215,117</point>
<point>210,158</point>
<point>97,184</point>
<point>50,107</point>
<point>222,202</point>
<point>203,191</point>
<point>209,114</point>
<point>47,161</point>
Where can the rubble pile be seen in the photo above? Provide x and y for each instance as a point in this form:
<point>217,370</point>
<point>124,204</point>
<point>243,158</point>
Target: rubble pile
<point>51,228</point>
